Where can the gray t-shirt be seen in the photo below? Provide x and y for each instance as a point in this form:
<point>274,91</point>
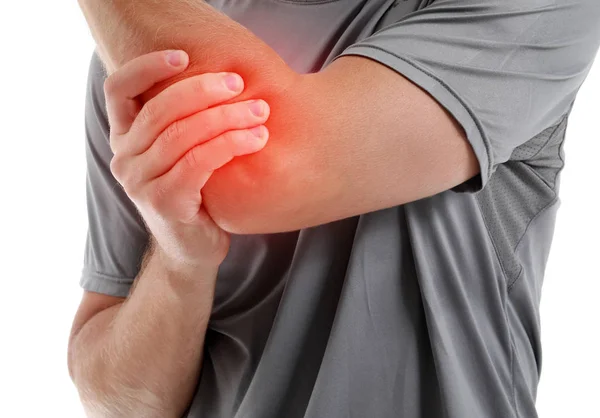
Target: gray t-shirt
<point>425,310</point>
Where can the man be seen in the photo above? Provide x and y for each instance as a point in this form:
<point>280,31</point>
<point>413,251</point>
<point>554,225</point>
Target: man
<point>343,208</point>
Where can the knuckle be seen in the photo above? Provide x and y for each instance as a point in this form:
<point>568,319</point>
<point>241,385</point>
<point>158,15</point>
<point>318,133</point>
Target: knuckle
<point>238,115</point>
<point>223,148</point>
<point>155,196</point>
<point>137,174</point>
<point>210,121</point>
<point>149,115</point>
<point>116,167</point>
<point>113,145</point>
<point>215,121</point>
<point>231,139</point>
<point>232,116</point>
<point>130,190</point>
<point>110,85</point>
<point>224,113</point>
<point>126,175</point>
<point>192,157</point>
<point>172,133</point>
<point>200,86</point>
<point>132,187</point>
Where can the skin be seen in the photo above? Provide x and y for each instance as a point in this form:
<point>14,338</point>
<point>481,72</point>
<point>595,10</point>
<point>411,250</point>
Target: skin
<point>311,171</point>
<point>163,321</point>
<point>371,133</point>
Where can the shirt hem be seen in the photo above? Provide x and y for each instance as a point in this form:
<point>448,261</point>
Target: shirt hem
<point>92,281</point>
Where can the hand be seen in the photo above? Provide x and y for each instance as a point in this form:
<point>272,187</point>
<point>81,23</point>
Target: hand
<point>166,149</point>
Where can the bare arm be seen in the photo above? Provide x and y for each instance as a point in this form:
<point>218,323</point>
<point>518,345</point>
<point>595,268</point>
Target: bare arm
<point>125,29</point>
<point>142,356</point>
<point>353,138</point>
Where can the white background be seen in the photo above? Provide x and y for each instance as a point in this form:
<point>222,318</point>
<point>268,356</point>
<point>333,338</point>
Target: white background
<point>45,48</point>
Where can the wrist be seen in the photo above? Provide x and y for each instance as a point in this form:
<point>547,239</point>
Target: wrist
<point>166,268</point>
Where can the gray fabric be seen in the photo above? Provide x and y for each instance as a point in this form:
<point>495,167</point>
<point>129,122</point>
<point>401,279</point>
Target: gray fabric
<point>425,310</point>
<point>116,236</point>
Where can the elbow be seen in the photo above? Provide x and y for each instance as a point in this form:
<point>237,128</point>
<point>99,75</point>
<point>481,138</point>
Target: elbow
<point>243,199</point>
<point>265,211</point>
<point>248,222</point>
<point>270,191</point>
<point>241,215</point>
<point>233,224</point>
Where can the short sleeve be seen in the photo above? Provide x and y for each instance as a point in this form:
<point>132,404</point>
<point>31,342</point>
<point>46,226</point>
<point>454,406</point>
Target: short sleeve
<point>505,69</point>
<point>116,237</point>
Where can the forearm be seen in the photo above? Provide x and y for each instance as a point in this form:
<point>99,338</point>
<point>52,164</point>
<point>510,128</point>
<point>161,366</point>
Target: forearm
<point>143,357</point>
<point>125,29</point>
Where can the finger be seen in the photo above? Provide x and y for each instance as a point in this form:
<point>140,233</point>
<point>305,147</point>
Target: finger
<point>185,180</point>
<point>185,134</point>
<point>135,77</point>
<point>178,101</point>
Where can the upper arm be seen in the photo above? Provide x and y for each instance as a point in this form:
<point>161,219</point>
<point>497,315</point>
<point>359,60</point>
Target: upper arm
<point>505,70</point>
<point>443,97</point>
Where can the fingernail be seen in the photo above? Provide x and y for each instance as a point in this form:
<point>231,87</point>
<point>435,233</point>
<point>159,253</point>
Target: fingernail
<point>233,81</point>
<point>176,58</point>
<point>257,108</point>
<point>258,131</point>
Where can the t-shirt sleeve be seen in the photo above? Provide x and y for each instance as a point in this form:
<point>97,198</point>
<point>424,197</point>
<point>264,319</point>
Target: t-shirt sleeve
<point>116,236</point>
<point>505,69</point>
